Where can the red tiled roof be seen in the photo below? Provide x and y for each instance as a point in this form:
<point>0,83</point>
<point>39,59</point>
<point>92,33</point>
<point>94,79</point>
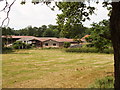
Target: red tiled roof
<point>57,39</point>
<point>18,36</point>
<point>83,38</point>
<point>42,39</point>
<point>86,36</point>
<point>64,40</point>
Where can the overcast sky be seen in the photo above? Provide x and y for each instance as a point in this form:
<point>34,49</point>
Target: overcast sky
<point>22,16</point>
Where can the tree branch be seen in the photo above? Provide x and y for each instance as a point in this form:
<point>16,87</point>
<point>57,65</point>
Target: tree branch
<point>6,5</point>
<point>9,8</point>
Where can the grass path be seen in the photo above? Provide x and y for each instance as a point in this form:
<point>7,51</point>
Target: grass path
<point>54,69</point>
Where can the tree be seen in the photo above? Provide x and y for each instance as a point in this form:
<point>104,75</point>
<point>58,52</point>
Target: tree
<point>72,16</point>
<point>98,30</point>
<point>20,45</point>
<point>115,36</point>
<point>66,44</point>
<point>54,30</point>
<point>7,31</point>
<point>48,33</point>
<point>75,31</point>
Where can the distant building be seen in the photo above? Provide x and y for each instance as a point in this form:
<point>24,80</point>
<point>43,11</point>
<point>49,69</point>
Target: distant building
<point>44,42</point>
<point>38,41</point>
<point>57,42</point>
<point>31,40</point>
<point>9,40</point>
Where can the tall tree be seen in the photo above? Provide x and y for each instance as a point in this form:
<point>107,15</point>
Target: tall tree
<point>98,33</point>
<point>115,36</point>
<point>72,16</point>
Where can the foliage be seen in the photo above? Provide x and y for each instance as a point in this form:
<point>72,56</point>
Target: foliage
<point>20,45</point>
<point>77,31</point>
<point>72,16</point>
<point>66,44</point>
<point>82,50</point>
<point>99,33</point>
<point>7,50</point>
<point>88,50</point>
<point>106,82</point>
<point>50,31</point>
<point>7,31</point>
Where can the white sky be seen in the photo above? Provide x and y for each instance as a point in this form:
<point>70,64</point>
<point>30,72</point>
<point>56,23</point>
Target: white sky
<point>22,16</point>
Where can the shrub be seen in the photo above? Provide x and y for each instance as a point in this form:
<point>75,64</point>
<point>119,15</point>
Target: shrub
<point>82,50</point>
<point>66,44</point>
<point>20,45</point>
<point>106,82</point>
<point>88,50</point>
<point>7,49</point>
<point>28,46</point>
<point>108,51</point>
<point>90,45</point>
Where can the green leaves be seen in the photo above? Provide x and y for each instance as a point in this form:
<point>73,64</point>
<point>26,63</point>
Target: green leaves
<point>98,30</point>
<point>73,13</point>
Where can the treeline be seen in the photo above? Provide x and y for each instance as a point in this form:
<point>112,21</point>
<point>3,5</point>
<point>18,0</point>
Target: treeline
<point>99,39</point>
<point>77,31</point>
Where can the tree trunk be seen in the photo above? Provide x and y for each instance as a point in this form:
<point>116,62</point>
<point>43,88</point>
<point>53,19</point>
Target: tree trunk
<point>115,33</point>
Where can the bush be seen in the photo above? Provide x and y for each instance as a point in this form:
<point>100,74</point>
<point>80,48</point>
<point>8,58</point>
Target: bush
<point>90,45</point>
<point>108,51</point>
<point>88,50</point>
<point>82,50</point>
<point>7,50</point>
<point>20,45</point>
<point>106,82</point>
<point>66,44</point>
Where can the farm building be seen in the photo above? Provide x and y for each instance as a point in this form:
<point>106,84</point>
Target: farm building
<point>9,40</point>
<point>57,42</point>
<point>44,42</point>
<point>47,42</point>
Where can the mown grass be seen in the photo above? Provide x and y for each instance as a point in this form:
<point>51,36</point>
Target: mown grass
<point>54,68</point>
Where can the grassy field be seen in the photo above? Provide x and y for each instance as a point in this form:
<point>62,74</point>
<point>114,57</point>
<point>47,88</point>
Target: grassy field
<point>54,69</point>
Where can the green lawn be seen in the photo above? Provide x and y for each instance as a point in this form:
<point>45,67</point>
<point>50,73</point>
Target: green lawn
<point>54,69</point>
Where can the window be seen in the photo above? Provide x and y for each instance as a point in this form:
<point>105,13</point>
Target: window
<point>46,44</point>
<point>54,44</point>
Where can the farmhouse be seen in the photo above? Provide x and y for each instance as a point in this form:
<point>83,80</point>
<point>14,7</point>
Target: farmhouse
<point>39,42</point>
<point>46,42</point>
<point>31,40</point>
<point>57,42</point>
<point>9,40</point>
